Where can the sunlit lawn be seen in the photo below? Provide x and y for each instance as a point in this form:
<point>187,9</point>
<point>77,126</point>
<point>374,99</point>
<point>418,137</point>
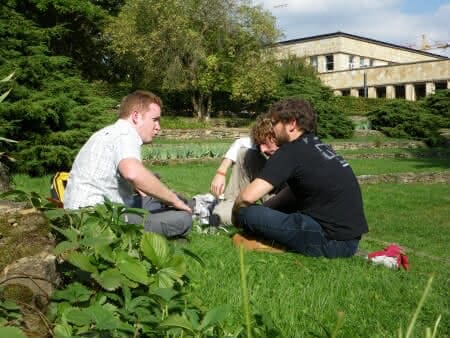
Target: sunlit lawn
<point>302,295</point>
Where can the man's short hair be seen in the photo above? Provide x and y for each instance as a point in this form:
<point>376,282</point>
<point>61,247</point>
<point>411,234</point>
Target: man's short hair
<point>262,129</point>
<point>139,101</point>
<point>295,109</point>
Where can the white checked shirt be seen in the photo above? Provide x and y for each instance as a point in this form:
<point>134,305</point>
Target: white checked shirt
<point>95,171</point>
<point>243,142</point>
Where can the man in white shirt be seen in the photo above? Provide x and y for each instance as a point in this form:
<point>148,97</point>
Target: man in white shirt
<point>246,156</point>
<point>109,165</point>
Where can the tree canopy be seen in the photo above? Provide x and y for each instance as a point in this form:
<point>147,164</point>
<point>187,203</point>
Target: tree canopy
<point>197,46</point>
<point>50,110</point>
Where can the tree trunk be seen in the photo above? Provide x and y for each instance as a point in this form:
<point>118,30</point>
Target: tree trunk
<point>5,181</point>
<point>202,105</point>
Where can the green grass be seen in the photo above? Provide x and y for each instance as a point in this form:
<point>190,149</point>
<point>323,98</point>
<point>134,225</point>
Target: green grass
<point>303,295</point>
<point>369,166</point>
<point>416,214</point>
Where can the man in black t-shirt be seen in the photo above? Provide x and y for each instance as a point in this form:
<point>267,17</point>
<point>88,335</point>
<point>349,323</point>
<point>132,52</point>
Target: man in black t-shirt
<point>320,211</point>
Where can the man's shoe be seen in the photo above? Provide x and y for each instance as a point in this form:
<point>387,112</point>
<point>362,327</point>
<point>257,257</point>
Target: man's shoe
<point>251,242</point>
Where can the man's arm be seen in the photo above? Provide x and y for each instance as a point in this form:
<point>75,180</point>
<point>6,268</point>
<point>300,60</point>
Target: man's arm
<point>145,182</point>
<point>249,195</point>
<point>218,182</point>
<point>284,199</point>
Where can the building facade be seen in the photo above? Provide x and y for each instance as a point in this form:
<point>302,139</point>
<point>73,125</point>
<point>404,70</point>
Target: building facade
<point>358,66</point>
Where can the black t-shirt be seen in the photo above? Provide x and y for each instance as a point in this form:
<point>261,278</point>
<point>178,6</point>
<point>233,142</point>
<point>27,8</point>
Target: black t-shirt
<point>323,183</point>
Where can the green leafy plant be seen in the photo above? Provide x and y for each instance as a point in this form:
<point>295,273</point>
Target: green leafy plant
<point>126,281</point>
<point>10,318</point>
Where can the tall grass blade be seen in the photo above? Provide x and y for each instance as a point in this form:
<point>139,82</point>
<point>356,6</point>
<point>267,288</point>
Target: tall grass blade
<point>245,301</point>
<point>419,307</point>
<point>338,324</point>
<point>436,326</point>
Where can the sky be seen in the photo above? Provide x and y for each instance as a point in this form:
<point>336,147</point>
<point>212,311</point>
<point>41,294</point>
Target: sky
<point>401,22</point>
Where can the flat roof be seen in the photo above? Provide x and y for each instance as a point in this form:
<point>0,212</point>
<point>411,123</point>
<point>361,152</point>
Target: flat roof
<point>356,37</point>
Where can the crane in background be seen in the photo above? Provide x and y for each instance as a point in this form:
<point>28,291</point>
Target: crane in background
<point>424,45</point>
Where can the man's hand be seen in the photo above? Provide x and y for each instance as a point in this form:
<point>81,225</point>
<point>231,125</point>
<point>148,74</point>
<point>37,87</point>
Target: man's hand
<point>218,181</point>
<point>251,193</point>
<point>180,205</point>
<point>148,184</point>
<point>218,185</point>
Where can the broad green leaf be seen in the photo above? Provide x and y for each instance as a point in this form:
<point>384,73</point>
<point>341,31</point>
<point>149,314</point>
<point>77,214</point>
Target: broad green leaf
<point>9,305</point>
<point>133,270</point>
<point>69,233</point>
<point>143,301</point>
<point>11,332</point>
<point>155,248</point>
<point>174,270</point>
<point>103,319</point>
<point>165,293</point>
<point>106,253</point>
<point>129,283</point>
<point>163,280</point>
<point>79,317</point>
<point>74,293</point>
<point>193,318</point>
<point>214,315</point>
<point>95,314</point>
<point>64,246</point>
<point>81,261</point>
<point>177,321</point>
<point>63,330</point>
<point>54,213</point>
<point>96,240</point>
<point>109,279</point>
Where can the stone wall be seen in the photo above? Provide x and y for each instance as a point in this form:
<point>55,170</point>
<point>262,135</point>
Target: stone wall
<point>213,133</point>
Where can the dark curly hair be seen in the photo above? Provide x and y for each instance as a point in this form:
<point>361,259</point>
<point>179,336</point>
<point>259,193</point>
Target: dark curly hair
<point>294,109</point>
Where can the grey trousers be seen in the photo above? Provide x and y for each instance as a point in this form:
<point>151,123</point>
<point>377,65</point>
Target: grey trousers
<point>162,219</point>
<point>248,164</point>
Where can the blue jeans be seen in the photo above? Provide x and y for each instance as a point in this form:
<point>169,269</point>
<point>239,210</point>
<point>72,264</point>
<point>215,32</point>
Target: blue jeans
<point>296,231</point>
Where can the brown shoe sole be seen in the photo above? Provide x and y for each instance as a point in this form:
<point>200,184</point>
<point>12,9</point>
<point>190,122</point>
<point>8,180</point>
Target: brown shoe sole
<point>252,243</point>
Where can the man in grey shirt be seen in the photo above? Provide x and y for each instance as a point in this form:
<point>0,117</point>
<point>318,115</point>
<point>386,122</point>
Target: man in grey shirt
<point>109,165</point>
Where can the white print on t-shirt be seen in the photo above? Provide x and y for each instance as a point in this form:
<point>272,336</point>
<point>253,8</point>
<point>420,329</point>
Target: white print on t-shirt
<point>329,154</point>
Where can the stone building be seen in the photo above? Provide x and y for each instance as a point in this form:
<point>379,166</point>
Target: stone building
<point>358,66</point>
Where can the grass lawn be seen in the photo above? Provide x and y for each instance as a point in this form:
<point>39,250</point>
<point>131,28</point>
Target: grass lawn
<point>303,295</point>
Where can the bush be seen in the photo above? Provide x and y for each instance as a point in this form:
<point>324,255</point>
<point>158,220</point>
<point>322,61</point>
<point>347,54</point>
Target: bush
<point>52,124</point>
<point>360,106</point>
<point>331,122</point>
<point>406,119</point>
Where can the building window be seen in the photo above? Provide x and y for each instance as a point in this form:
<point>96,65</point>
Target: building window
<point>371,62</point>
<point>440,85</point>
<point>400,92</point>
<point>329,62</point>
<point>351,60</point>
<point>345,92</point>
<point>361,61</point>
<point>313,62</point>
<point>381,92</point>
<point>420,90</point>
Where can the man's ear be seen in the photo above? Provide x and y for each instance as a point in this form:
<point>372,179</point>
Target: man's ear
<point>292,125</point>
<point>134,116</point>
